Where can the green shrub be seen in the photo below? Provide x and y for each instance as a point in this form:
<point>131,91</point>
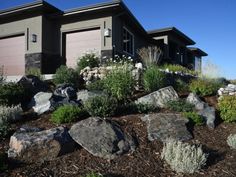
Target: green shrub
<point>178,68</point>
<point>66,75</point>
<point>231,141</point>
<point>181,86</point>
<point>119,83</point>
<point>12,94</point>
<point>4,128</point>
<point>35,72</point>
<point>87,60</point>
<point>182,157</point>
<point>68,114</point>
<point>3,162</point>
<point>227,107</point>
<point>153,79</point>
<point>180,106</point>
<point>96,85</point>
<point>204,87</point>
<point>145,108</point>
<point>10,113</point>
<point>194,117</point>
<point>2,78</point>
<point>101,106</point>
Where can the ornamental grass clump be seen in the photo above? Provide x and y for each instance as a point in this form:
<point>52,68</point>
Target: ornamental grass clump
<point>182,157</point>
<point>231,140</point>
<point>154,79</point>
<point>119,83</point>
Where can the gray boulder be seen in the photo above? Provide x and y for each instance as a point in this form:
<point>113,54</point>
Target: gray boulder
<point>208,113</point>
<point>101,138</point>
<point>33,145</point>
<point>162,126</point>
<point>66,90</point>
<point>159,98</point>
<point>84,95</point>
<point>196,101</point>
<point>41,102</point>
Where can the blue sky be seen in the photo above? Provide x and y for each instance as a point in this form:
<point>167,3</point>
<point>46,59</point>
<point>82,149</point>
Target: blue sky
<point>210,23</point>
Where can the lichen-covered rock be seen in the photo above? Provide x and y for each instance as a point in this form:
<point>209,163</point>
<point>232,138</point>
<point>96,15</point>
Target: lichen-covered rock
<point>162,126</point>
<point>196,101</point>
<point>159,98</point>
<point>33,145</point>
<point>101,138</point>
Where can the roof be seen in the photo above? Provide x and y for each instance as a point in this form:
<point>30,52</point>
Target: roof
<point>171,30</point>
<point>39,4</point>
<point>197,51</point>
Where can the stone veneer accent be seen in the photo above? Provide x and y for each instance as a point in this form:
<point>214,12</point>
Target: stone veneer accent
<point>47,63</point>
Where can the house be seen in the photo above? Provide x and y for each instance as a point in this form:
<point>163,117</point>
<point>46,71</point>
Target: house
<point>39,35</point>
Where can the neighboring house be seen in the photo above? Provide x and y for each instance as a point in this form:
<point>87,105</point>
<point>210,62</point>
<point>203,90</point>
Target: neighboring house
<point>38,35</point>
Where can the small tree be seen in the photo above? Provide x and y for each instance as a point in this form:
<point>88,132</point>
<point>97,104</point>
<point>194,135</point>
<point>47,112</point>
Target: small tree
<point>150,55</point>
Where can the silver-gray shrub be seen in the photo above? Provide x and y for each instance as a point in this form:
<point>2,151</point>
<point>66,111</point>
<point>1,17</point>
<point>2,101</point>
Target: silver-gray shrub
<point>231,140</point>
<point>183,157</point>
<point>10,113</point>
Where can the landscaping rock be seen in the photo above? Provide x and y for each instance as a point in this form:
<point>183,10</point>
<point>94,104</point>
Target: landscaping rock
<point>230,89</point>
<point>41,102</point>
<point>162,126</point>
<point>208,113</point>
<point>101,138</point>
<point>195,100</point>
<point>38,146</point>
<point>57,101</point>
<point>84,95</point>
<point>159,98</point>
<point>33,83</point>
<point>66,90</point>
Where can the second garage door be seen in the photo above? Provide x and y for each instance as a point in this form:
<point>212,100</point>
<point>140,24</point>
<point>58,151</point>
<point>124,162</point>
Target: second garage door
<point>12,55</point>
<point>80,43</point>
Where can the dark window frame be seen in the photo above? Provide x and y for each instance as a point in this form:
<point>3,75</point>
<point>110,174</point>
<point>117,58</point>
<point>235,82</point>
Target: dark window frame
<point>128,42</point>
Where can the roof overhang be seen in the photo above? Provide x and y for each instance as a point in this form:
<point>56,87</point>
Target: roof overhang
<point>197,51</point>
<point>34,6</point>
<point>171,31</point>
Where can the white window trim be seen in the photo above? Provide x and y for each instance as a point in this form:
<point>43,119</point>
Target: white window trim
<point>132,54</point>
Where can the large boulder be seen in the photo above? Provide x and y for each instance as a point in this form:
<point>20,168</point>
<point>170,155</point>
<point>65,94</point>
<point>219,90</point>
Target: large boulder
<point>101,138</point>
<point>203,109</point>
<point>161,126</point>
<point>208,113</point>
<point>84,95</point>
<point>66,90</point>
<point>196,101</point>
<point>159,98</point>
<point>34,145</point>
<point>33,84</point>
<point>41,102</point>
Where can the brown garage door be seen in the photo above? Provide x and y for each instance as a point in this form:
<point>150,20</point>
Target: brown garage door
<point>79,43</point>
<point>12,55</point>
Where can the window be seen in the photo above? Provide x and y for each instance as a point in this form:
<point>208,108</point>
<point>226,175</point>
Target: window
<point>128,42</point>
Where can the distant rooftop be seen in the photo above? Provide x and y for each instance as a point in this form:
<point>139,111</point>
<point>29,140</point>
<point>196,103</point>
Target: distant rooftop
<point>198,51</point>
<point>171,30</point>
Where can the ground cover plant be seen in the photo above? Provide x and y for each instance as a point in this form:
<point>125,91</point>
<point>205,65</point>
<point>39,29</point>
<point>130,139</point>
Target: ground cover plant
<point>68,114</point>
<point>194,117</point>
<point>180,105</point>
<point>182,157</point>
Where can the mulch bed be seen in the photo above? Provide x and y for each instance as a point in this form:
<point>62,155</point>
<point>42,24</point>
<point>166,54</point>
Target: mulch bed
<point>144,162</point>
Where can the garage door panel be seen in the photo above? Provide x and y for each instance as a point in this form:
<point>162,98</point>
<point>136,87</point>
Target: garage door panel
<point>12,55</point>
<point>80,43</point>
